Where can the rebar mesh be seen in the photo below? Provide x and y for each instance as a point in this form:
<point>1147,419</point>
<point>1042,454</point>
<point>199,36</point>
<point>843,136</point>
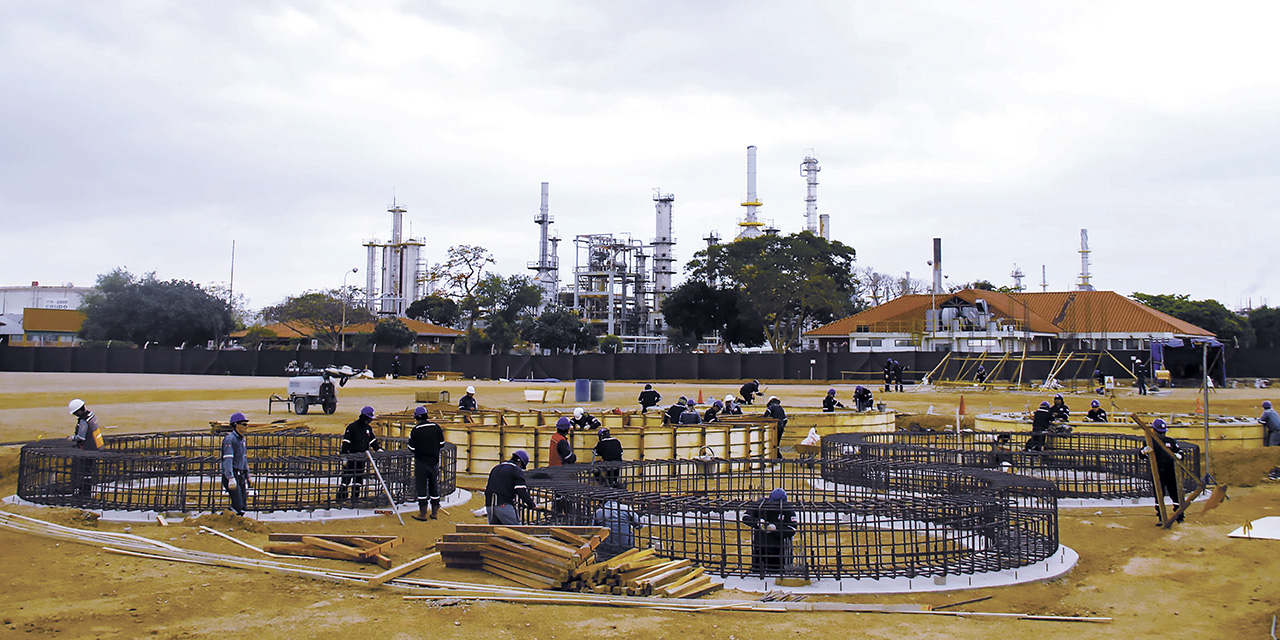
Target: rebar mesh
<point>181,472</point>
<point>1102,466</point>
<point>856,518</point>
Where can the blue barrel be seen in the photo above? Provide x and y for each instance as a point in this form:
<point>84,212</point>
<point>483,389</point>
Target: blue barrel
<point>582,390</point>
<point>597,390</point>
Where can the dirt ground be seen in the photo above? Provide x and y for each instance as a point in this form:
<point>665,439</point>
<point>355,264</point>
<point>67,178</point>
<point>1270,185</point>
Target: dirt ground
<point>1188,582</point>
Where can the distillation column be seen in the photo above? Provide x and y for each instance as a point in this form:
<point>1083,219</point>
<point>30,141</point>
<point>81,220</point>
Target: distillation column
<point>809,169</point>
<point>750,226</point>
<point>547,268</point>
<point>663,258</point>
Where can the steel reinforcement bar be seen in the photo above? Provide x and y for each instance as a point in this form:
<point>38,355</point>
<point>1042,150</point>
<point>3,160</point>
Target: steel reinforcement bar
<point>856,518</point>
<point>1100,466</point>
<point>181,472</point>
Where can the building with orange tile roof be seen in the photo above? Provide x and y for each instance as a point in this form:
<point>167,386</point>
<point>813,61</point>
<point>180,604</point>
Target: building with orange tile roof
<point>430,336</point>
<point>975,320</point>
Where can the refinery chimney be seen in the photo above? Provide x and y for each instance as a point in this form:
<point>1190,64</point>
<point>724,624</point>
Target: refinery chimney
<point>1084,285</point>
<point>809,169</point>
<point>750,226</point>
<point>937,265</point>
<point>547,268</point>
<point>663,259</point>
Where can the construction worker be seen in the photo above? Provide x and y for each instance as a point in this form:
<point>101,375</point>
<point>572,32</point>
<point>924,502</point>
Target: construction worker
<point>506,485</point>
<point>749,391</point>
<point>468,402</point>
<point>829,403</point>
<point>773,524</point>
<point>358,438</point>
<point>888,375</point>
<point>898,368</point>
<point>235,464</point>
<point>584,421</point>
<point>621,522</point>
<point>981,375</point>
<point>425,441</point>
<point>1271,420</point>
<point>1096,412</point>
<point>690,414</point>
<point>673,412</point>
<point>731,406</point>
<point>1101,379</point>
<point>608,449</point>
<point>561,448</point>
<point>862,398</point>
<point>1059,411</point>
<point>87,437</point>
<point>1140,372</point>
<point>649,398</point>
<point>1165,465</point>
<point>713,412</point>
<point>773,409</point>
<point>1041,424</point>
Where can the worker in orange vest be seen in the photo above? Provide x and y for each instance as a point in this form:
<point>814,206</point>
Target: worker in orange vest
<point>561,448</point>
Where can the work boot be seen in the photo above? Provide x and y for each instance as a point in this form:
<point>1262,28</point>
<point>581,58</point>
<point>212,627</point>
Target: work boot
<point>435,508</point>
<point>422,511</point>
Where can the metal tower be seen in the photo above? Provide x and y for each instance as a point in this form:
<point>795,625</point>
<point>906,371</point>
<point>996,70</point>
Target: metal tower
<point>750,226</point>
<point>1017,276</point>
<point>1084,262</point>
<point>663,258</point>
<point>395,283</point>
<point>547,268</point>
<point>809,169</point>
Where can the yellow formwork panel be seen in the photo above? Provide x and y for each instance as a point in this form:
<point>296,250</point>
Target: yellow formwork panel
<point>613,420</point>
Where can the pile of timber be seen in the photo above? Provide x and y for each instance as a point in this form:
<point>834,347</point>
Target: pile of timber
<point>357,548</point>
<point>563,558</point>
<point>279,426</point>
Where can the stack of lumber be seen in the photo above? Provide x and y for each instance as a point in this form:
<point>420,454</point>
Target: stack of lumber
<point>563,558</point>
<point>300,426</point>
<point>357,548</point>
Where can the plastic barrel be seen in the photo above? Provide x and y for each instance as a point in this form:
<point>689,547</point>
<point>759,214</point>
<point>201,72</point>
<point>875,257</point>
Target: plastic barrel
<point>582,390</point>
<point>597,390</point>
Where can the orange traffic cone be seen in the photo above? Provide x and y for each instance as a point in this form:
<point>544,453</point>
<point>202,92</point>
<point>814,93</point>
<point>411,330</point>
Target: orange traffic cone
<point>961,404</point>
<point>1199,406</point>
<point>699,396</point>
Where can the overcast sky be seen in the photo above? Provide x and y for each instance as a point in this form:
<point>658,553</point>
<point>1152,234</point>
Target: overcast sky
<point>149,135</point>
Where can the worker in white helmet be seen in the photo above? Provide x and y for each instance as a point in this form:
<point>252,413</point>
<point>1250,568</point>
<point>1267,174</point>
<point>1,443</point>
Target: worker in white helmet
<point>585,421</point>
<point>468,401</point>
<point>87,437</point>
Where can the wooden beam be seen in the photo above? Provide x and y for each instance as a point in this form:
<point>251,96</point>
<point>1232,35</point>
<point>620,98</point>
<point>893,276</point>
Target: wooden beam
<point>407,567</point>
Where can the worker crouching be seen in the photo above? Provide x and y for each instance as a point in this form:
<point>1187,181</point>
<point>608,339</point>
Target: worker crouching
<point>773,525</point>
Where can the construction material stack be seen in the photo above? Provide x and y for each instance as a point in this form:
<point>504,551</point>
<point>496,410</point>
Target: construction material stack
<point>564,559</point>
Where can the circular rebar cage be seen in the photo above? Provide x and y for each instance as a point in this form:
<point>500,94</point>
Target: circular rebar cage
<point>856,518</point>
<point>1097,466</point>
<point>182,472</point>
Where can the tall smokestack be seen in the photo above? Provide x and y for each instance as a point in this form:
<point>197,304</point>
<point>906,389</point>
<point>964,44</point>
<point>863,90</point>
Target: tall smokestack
<point>750,226</point>
<point>809,169</point>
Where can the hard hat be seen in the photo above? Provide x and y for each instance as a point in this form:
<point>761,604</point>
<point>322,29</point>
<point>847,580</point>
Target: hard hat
<point>419,411</point>
<point>693,403</point>
<point>648,386</point>
<point>831,391</point>
<point>682,401</point>
<point>75,405</point>
<point>1266,404</point>
<point>1095,404</point>
<point>728,397</point>
<point>563,424</point>
<point>756,381</point>
<point>603,432</point>
<point>718,404</point>
<point>858,388</point>
<point>577,413</point>
<point>1057,396</point>
<point>773,399</point>
<point>368,411</point>
<point>1044,404</point>
<point>1159,425</point>
<point>471,389</point>
<point>237,417</point>
<point>778,495</point>
<point>522,456</point>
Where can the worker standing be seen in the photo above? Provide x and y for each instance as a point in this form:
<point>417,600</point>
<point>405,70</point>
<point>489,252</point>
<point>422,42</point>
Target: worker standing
<point>749,391</point>
<point>358,438</point>
<point>506,485</point>
<point>468,401</point>
<point>888,375</point>
<point>898,369</point>
<point>87,437</point>
<point>561,448</point>
<point>773,409</point>
<point>1140,372</point>
<point>1165,465</point>
<point>608,449</point>
<point>773,525</point>
<point>1271,420</point>
<point>1041,424</point>
<point>235,465</point>
<point>649,398</point>
<point>425,441</point>
<point>829,403</point>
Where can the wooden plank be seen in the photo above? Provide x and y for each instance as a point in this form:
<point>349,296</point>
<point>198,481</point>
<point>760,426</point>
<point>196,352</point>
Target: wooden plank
<point>666,574</point>
<point>552,563</point>
<point>699,587</point>
<point>536,542</point>
<point>517,575</point>
<point>408,567</point>
<point>559,574</point>
<point>353,540</point>
<point>351,552</point>
<point>686,579</point>
<point>307,551</point>
<point>535,530</point>
<point>569,536</point>
<point>461,547</point>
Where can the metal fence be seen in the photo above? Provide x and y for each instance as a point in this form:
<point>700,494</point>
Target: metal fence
<point>181,472</point>
<point>856,518</point>
<point>1100,466</point>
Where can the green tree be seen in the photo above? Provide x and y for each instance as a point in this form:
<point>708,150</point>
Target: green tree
<point>318,314</point>
<point>561,330</point>
<point>146,309</point>
<point>393,333</point>
<point>1265,323</point>
<point>610,344</point>
<point>437,310</point>
<point>253,336</point>
<point>790,282</point>
<point>461,274</point>
<point>695,309</point>
<point>506,305</point>
<point>1206,314</point>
